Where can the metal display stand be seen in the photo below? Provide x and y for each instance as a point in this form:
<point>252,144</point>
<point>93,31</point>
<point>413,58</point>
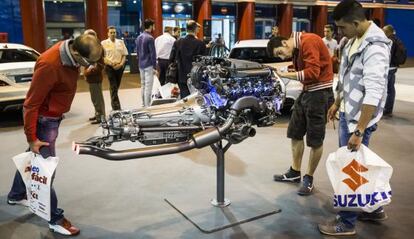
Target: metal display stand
<point>221,203</point>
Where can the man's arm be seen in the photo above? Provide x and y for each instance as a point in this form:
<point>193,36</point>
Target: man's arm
<point>376,59</point>
<point>290,75</point>
<point>44,78</point>
<point>120,64</point>
<point>173,52</point>
<point>153,55</point>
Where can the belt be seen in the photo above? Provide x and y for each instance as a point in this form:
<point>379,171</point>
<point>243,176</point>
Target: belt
<point>160,59</point>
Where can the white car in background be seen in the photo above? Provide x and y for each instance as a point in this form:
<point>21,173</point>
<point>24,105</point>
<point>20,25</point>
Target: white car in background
<point>255,50</point>
<point>16,70</point>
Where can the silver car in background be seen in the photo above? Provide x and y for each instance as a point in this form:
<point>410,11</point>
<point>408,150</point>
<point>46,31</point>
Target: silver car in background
<point>16,71</point>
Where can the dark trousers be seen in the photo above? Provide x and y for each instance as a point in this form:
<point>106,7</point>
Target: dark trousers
<point>47,131</point>
<point>162,68</point>
<point>389,103</point>
<point>184,91</point>
<point>114,77</point>
<point>97,100</point>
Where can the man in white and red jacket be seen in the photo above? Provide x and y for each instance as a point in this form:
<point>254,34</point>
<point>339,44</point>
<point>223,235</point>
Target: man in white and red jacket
<point>313,68</point>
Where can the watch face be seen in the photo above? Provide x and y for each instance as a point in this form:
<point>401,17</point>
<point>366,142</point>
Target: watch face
<point>358,133</point>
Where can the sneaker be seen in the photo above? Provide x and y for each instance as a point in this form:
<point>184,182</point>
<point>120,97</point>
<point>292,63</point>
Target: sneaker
<point>290,176</point>
<point>92,118</point>
<point>336,228</point>
<point>307,186</point>
<point>373,216</point>
<point>22,202</point>
<point>64,227</point>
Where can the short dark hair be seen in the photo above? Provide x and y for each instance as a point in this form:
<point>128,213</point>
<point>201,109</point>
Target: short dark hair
<point>273,43</point>
<point>192,26</point>
<point>349,11</point>
<point>82,46</point>
<point>148,23</point>
<point>330,27</point>
<point>111,27</point>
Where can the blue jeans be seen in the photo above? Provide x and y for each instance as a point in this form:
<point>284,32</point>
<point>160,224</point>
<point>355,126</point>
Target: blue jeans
<point>47,131</point>
<point>349,217</point>
<point>147,81</point>
<point>389,103</point>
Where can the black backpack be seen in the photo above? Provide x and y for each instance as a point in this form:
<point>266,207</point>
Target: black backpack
<point>400,54</point>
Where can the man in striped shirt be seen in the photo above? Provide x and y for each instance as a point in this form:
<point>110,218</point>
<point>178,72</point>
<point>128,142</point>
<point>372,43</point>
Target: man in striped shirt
<point>313,68</point>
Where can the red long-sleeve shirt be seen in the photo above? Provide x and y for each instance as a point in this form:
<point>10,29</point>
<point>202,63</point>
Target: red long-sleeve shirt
<point>52,89</point>
<point>312,62</point>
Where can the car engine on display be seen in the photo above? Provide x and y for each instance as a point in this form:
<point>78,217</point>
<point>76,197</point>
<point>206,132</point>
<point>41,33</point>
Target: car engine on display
<point>229,97</point>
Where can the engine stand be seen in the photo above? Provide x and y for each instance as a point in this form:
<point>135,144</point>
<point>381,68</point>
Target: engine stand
<point>222,216</point>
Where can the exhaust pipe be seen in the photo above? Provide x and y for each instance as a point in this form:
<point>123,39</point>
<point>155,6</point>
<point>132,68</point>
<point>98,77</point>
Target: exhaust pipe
<point>198,140</point>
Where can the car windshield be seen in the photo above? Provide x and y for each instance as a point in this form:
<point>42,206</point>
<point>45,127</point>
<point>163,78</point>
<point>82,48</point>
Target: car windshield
<point>256,54</point>
<point>17,55</point>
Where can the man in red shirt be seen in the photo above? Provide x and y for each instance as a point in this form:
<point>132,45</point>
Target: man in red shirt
<point>50,95</point>
<point>313,68</point>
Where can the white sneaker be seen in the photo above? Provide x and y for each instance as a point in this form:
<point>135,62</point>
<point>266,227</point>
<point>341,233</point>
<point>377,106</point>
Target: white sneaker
<point>22,202</point>
<point>64,227</point>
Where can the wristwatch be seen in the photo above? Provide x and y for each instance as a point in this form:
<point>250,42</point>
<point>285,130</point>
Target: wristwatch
<point>358,133</point>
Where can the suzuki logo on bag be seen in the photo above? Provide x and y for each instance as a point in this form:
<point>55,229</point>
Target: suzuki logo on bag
<point>356,180</point>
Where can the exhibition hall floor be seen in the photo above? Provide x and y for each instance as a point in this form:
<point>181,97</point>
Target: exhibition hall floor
<point>114,200</point>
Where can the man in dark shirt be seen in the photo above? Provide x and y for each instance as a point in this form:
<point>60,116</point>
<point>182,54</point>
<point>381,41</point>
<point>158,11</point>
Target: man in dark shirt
<point>394,64</point>
<point>147,61</point>
<point>93,75</point>
<point>50,96</point>
<point>183,53</point>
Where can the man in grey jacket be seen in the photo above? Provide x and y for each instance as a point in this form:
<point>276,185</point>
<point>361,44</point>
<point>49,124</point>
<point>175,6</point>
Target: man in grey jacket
<point>363,90</point>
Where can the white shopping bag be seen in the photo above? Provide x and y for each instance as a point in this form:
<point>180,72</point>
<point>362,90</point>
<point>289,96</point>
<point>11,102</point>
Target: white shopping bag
<point>37,175</point>
<point>360,179</point>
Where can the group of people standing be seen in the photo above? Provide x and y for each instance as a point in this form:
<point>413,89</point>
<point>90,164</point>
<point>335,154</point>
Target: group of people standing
<point>154,56</point>
<point>362,94</point>
<point>369,58</point>
<point>113,63</point>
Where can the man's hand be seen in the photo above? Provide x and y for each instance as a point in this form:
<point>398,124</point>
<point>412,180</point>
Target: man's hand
<point>117,66</point>
<point>332,112</point>
<point>156,73</point>
<point>354,142</point>
<point>36,145</point>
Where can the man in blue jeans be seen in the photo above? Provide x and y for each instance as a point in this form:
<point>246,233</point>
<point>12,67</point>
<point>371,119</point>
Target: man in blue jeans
<point>147,61</point>
<point>51,93</point>
<point>362,92</point>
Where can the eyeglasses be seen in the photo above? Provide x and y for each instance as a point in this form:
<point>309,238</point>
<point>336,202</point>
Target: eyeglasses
<point>86,61</point>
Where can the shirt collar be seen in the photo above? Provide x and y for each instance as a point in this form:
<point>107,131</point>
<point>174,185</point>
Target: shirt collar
<point>297,39</point>
<point>65,56</point>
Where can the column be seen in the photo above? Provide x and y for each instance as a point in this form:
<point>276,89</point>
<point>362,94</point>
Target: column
<point>202,11</point>
<point>285,19</point>
<point>378,13</point>
<point>319,19</point>
<point>97,17</point>
<point>153,9</point>
<point>34,24</point>
<point>245,20</point>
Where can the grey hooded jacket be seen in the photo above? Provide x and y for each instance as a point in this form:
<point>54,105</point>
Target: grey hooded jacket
<point>363,76</point>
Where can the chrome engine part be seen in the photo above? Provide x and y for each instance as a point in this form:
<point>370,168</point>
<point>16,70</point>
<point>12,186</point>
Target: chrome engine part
<point>228,98</point>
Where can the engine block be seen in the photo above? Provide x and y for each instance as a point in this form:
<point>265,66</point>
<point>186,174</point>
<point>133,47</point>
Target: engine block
<point>228,95</point>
